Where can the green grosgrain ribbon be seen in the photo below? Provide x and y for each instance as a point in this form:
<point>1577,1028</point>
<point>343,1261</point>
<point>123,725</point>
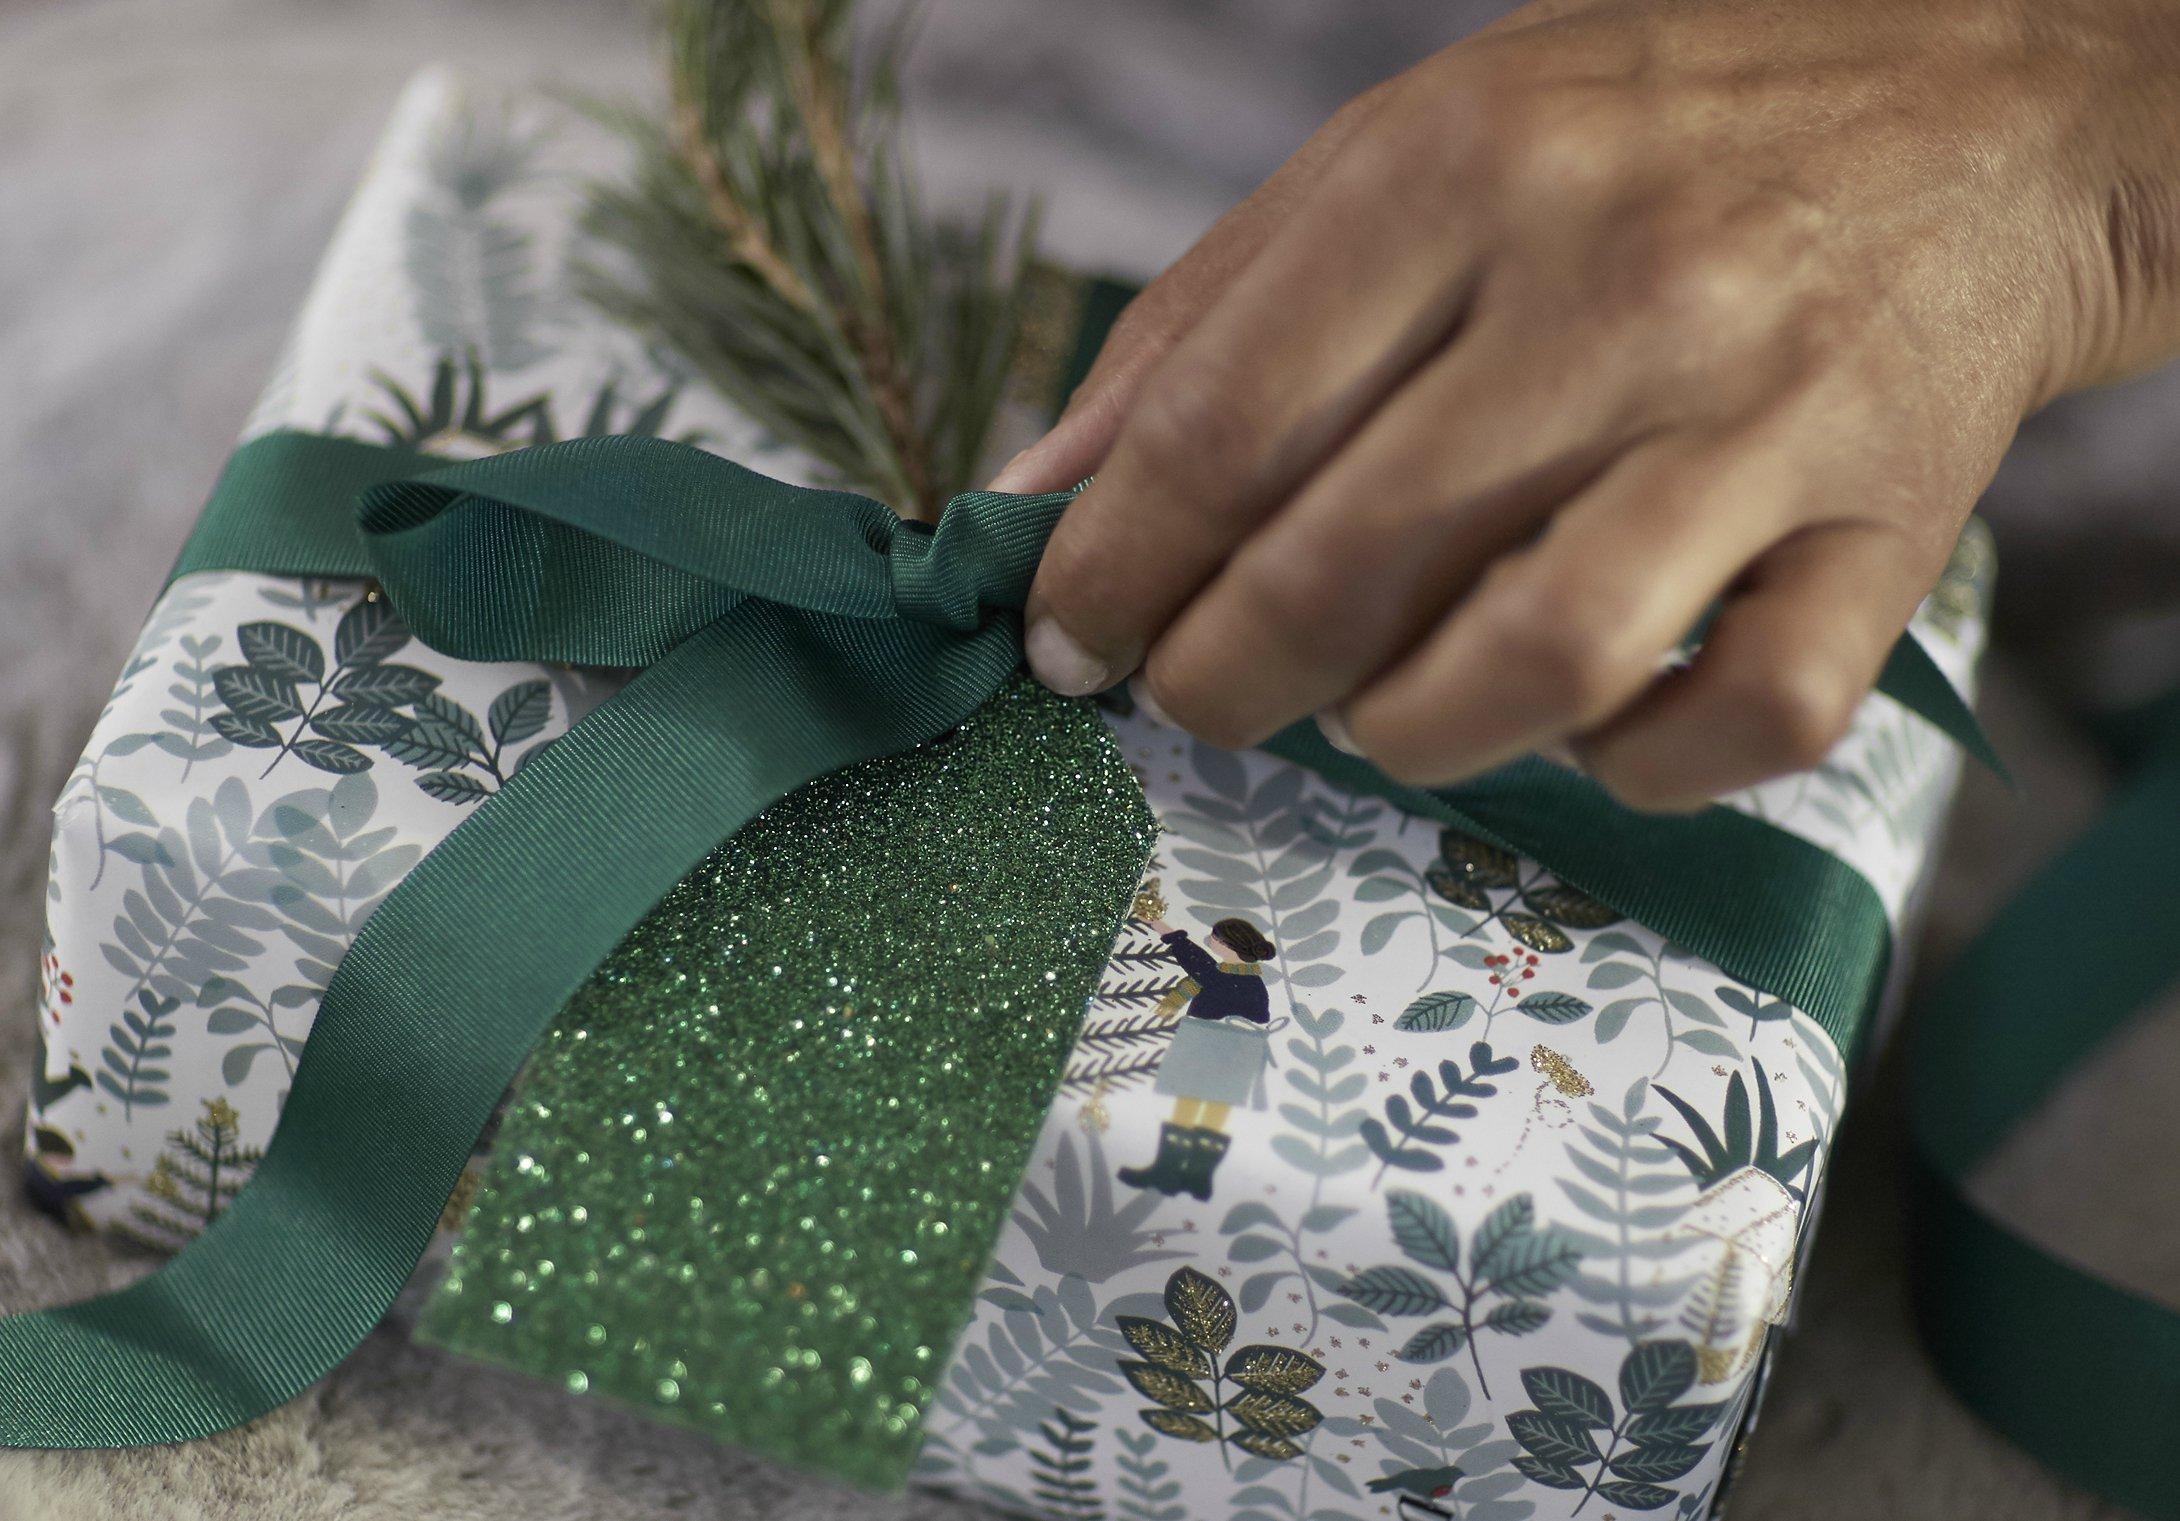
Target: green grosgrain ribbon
<point>2070,1367</point>
<point>784,633</point>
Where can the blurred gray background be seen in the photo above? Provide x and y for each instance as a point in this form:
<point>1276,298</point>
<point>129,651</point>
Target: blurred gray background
<point>169,171</point>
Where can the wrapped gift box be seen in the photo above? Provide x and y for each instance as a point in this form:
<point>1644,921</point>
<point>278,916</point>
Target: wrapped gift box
<point>1490,1216</point>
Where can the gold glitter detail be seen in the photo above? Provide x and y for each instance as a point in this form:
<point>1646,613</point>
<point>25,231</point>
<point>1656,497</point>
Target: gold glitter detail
<point>1150,902</point>
<point>1560,1072</point>
<point>458,1202</point>
<point>1097,1116</point>
<point>775,1209</point>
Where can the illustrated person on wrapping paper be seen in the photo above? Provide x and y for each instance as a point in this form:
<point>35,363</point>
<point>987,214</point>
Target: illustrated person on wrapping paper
<point>1221,1047</point>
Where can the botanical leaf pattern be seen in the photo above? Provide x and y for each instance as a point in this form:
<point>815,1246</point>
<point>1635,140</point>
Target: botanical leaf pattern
<point>1510,1260</point>
<point>1451,1278</point>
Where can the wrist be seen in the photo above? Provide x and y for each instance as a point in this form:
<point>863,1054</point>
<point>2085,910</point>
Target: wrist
<point>2118,311</point>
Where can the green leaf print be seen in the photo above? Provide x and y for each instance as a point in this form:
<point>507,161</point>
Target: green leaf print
<point>1632,1194</point>
<point>258,696</point>
<point>368,632</point>
<point>281,652</point>
<point>1574,1438</point>
<point>1146,1493</point>
<point>1434,1012</point>
<point>454,787</point>
<point>250,733</point>
<point>330,755</point>
<point>384,686</point>
<point>1409,1136</point>
<point>445,741</point>
<point>191,734</point>
<point>1060,1467</point>
<point>520,712</point>
<point>1427,1233</point>
<point>360,723</point>
<point>137,1043</point>
<point>1394,1290</point>
<point>355,705</point>
<point>1265,1411</point>
<point>1717,1157</point>
<point>1555,1008</point>
<point>1511,1260</point>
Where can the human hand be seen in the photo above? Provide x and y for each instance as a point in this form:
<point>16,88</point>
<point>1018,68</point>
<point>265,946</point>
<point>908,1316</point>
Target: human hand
<point>1611,313</point>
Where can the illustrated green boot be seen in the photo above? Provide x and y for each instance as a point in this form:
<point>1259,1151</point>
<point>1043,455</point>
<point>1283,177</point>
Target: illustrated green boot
<point>1203,1151</point>
<point>1169,1174</point>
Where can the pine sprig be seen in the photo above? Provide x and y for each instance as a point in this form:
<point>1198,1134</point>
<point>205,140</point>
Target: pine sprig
<point>771,232</point>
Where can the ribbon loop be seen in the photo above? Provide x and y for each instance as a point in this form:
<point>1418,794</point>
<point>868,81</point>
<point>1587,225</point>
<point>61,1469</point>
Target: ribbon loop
<point>614,551</point>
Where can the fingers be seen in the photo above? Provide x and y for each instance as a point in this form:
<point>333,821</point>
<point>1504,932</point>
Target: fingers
<point>1783,667</point>
<point>1305,343</point>
<point>1167,309</point>
<point>1559,636</point>
<point>1457,468</point>
<point>1158,318</point>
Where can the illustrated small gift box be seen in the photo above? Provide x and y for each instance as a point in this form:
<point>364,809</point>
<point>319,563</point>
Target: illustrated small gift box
<point>1418,1154</point>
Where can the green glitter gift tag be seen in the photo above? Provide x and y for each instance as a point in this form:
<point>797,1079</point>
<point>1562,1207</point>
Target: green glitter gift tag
<point>751,1176</point>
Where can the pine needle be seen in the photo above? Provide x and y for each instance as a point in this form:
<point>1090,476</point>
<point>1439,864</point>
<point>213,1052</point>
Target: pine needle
<point>770,231</point>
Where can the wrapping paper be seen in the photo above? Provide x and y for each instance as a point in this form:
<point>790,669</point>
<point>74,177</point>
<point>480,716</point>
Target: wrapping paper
<point>1492,1216</point>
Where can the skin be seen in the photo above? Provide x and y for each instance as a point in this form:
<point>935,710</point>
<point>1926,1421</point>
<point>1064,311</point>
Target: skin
<point>1613,312</point>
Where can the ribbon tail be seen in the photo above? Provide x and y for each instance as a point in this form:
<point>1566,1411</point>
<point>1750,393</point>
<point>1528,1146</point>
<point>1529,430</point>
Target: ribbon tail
<point>1912,679</point>
<point>2078,1372</point>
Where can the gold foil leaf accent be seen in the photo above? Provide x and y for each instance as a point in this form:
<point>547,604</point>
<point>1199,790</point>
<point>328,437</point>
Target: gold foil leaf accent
<point>1560,1072</point>
<point>1149,904</point>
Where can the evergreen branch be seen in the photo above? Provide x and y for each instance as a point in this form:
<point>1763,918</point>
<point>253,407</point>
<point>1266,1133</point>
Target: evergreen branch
<point>771,233</point>
<point>1135,991</point>
<point>746,240</point>
<point>1126,1030</point>
<point>1119,1069</point>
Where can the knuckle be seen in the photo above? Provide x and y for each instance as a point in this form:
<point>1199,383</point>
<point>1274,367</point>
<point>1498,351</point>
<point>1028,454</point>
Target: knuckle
<point>1368,171</point>
<point>1432,150</point>
<point>1296,586</point>
<point>1796,712</point>
<point>1570,656</point>
<point>1189,426</point>
<point>1702,285</point>
<point>1560,149</point>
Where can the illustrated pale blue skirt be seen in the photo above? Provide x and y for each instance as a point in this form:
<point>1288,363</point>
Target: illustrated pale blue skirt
<point>1217,1061</point>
